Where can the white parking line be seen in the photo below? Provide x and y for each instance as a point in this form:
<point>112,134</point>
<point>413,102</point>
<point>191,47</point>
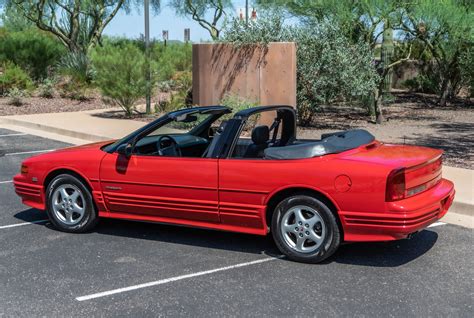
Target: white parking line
<point>21,224</point>
<point>437,224</point>
<point>174,279</point>
<point>28,152</point>
<point>12,135</point>
<point>9,181</point>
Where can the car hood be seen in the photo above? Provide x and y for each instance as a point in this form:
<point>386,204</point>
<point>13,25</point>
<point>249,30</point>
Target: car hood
<point>396,156</point>
<point>92,146</point>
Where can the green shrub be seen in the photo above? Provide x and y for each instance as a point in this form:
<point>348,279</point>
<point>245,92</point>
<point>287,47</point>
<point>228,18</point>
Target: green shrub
<point>78,66</point>
<point>424,83</point>
<point>14,77</point>
<point>120,75</point>
<point>237,103</point>
<point>32,50</point>
<point>467,68</point>
<point>329,67</point>
<point>180,89</point>
<point>68,87</point>
<point>46,88</point>
<point>16,96</point>
<point>171,59</point>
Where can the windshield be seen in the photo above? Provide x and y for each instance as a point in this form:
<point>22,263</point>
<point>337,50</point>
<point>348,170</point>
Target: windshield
<point>192,124</point>
<point>181,125</point>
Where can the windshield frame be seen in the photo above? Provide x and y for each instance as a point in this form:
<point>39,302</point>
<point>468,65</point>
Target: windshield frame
<point>132,138</point>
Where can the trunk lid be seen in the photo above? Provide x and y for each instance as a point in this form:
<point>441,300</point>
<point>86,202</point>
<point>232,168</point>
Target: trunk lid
<point>421,166</point>
<point>395,156</point>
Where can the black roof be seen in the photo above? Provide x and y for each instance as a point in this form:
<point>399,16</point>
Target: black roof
<point>254,110</point>
<point>200,110</point>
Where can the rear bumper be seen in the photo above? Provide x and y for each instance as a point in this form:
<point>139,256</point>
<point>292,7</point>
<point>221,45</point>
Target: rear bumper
<point>30,194</point>
<point>400,218</point>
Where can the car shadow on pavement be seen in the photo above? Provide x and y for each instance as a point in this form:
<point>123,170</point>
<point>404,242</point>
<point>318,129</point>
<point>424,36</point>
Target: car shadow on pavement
<point>31,215</point>
<point>376,254</point>
<point>386,254</point>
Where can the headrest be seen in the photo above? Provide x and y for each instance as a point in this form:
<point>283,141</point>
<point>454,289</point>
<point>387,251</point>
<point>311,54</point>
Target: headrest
<point>260,134</point>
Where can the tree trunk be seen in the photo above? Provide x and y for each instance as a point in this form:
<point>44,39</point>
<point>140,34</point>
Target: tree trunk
<point>378,101</point>
<point>445,91</point>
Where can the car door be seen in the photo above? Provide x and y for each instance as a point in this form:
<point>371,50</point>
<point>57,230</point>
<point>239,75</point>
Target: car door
<point>154,187</point>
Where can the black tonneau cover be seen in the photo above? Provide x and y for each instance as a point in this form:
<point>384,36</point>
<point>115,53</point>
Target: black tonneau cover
<point>329,144</point>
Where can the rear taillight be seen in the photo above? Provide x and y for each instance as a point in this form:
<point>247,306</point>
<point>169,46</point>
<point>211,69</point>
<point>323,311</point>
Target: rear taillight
<point>395,185</point>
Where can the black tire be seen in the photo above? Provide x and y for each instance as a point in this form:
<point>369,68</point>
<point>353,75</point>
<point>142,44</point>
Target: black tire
<point>90,215</point>
<point>330,242</point>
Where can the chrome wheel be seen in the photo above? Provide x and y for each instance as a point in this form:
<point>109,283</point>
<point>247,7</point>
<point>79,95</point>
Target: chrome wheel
<point>303,229</point>
<point>68,204</point>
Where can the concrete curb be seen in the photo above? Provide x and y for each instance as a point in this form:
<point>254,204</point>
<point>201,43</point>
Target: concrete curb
<point>51,129</point>
<point>462,208</point>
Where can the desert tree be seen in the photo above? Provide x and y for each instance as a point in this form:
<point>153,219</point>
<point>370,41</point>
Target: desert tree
<point>445,27</point>
<point>208,13</point>
<point>373,21</point>
<point>78,24</point>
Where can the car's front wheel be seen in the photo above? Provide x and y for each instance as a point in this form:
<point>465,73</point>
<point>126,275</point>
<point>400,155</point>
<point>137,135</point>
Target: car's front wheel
<point>69,205</point>
<point>305,229</point>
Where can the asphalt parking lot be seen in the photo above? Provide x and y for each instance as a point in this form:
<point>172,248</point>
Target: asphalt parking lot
<point>136,269</point>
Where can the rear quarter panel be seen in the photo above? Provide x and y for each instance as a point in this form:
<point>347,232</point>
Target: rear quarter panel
<point>246,186</point>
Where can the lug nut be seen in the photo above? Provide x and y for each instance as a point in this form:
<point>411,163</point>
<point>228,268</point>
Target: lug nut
<point>300,223</point>
<point>306,225</point>
<point>307,232</point>
<point>301,234</point>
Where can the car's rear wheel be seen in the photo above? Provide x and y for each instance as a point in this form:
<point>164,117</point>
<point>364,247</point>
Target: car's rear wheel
<point>69,205</point>
<point>305,229</point>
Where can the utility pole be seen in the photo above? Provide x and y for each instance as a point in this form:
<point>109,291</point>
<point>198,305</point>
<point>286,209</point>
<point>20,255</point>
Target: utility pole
<point>147,56</point>
<point>246,12</point>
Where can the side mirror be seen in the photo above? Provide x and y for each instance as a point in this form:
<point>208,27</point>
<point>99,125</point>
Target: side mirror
<point>125,150</point>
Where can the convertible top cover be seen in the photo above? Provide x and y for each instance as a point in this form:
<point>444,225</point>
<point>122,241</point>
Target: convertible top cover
<point>329,144</point>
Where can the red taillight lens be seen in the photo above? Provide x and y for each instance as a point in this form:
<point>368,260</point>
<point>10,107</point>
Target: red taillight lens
<point>395,185</point>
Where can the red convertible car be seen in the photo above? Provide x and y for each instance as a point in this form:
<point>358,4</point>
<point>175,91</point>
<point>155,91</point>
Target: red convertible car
<point>246,173</point>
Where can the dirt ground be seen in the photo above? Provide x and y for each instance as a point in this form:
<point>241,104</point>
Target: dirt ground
<point>410,119</point>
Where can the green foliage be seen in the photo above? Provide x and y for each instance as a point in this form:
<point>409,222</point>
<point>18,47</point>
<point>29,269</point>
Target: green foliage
<point>424,83</point>
<point>121,74</point>
<point>266,29</point>
<point>329,66</point>
<point>13,77</point>
<point>171,59</point>
<point>13,20</point>
<point>33,50</point>
<point>466,64</point>
<point>46,88</point>
<point>16,96</point>
<point>446,30</point>
<point>78,66</point>
<point>237,103</point>
<point>78,74</point>
<point>180,90</point>
<point>78,24</point>
<point>209,14</point>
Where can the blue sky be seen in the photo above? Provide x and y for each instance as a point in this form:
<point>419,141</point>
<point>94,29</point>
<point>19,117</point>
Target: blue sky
<point>132,25</point>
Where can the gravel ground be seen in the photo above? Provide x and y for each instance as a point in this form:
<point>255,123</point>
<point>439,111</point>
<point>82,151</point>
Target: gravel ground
<point>38,105</point>
<point>411,119</point>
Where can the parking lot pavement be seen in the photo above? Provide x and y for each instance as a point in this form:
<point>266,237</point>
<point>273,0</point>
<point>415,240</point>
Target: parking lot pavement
<point>137,269</point>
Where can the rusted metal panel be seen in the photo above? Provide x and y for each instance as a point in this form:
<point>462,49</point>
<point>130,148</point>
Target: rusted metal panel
<point>263,74</point>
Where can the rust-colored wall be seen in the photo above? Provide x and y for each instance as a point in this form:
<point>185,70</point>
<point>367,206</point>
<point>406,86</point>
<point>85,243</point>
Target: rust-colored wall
<point>264,74</point>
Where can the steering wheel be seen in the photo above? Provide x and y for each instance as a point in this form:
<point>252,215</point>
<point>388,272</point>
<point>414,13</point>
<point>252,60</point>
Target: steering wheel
<point>168,147</point>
